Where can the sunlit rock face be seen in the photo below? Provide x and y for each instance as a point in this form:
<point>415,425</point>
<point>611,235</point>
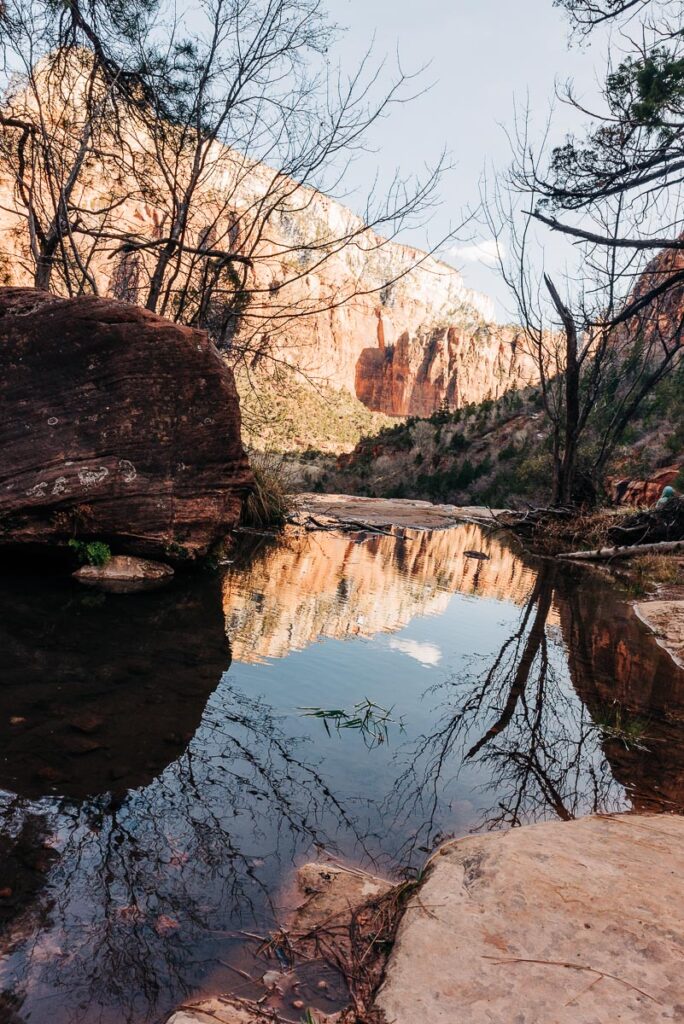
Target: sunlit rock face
<point>401,347</point>
<point>330,585</point>
<point>628,491</point>
<point>454,364</point>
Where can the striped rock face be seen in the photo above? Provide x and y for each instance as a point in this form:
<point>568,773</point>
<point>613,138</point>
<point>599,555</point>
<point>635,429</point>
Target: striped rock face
<point>116,425</point>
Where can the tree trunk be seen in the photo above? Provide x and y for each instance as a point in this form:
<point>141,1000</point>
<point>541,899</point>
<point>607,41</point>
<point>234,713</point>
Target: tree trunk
<point>605,554</point>
<point>566,483</point>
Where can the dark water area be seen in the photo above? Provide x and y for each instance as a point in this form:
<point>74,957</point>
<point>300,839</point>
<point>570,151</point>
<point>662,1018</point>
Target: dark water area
<point>160,780</point>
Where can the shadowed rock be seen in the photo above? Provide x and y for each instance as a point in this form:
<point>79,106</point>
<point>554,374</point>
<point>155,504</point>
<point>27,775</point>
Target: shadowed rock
<point>116,424</point>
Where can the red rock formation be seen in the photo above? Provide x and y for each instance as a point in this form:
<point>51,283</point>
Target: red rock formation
<point>452,364</point>
<point>393,326</point>
<point>642,492</point>
<point>116,424</point>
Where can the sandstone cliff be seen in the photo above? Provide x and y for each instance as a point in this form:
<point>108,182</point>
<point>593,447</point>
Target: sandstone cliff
<point>394,327</point>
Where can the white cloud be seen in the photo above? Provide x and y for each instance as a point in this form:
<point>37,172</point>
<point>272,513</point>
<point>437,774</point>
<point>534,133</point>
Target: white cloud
<point>426,654</point>
<point>486,252</point>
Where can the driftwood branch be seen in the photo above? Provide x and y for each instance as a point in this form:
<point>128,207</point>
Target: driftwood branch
<point>606,554</point>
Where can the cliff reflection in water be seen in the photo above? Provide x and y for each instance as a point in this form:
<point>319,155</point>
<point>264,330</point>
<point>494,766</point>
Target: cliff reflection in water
<point>153,800</point>
<point>311,586</point>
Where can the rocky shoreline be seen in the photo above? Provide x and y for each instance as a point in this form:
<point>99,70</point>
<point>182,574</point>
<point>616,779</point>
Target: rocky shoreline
<point>561,921</point>
<point>665,619</point>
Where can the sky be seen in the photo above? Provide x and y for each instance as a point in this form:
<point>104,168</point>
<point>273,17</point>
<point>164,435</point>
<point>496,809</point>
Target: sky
<point>483,54</point>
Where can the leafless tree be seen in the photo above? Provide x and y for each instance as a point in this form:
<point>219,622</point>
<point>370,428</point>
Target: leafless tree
<point>61,153</point>
<point>228,128</point>
<point>602,338</point>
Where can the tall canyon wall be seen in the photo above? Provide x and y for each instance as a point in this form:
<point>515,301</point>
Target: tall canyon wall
<point>395,327</point>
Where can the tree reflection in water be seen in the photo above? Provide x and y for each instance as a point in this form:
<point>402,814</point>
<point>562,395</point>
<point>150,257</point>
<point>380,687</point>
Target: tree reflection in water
<point>147,892</point>
<point>521,724</point>
<point>153,804</point>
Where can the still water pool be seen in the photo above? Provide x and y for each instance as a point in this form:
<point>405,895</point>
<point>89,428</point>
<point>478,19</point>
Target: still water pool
<point>161,776</point>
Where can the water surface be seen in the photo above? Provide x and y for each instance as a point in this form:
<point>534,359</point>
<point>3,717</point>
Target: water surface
<point>159,778</point>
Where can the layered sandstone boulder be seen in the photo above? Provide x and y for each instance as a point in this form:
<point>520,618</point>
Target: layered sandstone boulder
<point>116,425</point>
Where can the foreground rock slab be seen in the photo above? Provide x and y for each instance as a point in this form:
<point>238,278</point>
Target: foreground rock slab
<point>124,574</point>
<point>559,923</point>
<point>666,619</point>
<point>117,425</point>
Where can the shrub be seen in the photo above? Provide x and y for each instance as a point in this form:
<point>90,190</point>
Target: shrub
<point>270,502</point>
<point>93,552</point>
<point>509,452</point>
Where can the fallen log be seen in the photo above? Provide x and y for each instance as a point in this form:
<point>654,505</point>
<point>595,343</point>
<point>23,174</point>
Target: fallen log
<point>606,554</point>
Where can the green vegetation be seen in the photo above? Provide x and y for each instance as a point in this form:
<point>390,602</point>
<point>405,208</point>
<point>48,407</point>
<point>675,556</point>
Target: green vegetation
<point>499,453</point>
<point>284,412</point>
<point>614,722</point>
<point>368,718</point>
<point>93,552</point>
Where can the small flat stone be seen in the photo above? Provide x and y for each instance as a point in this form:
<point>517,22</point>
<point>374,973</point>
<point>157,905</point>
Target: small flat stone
<point>124,574</point>
<point>88,721</point>
<point>333,891</point>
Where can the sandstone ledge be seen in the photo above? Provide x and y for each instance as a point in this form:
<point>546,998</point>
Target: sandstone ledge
<point>563,922</point>
<point>666,619</point>
<point>577,922</point>
<point>389,512</point>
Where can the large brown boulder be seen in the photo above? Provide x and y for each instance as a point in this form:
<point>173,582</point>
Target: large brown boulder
<point>115,424</point>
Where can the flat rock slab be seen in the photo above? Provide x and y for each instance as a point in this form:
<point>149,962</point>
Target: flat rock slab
<point>388,512</point>
<point>124,574</point>
<point>332,893</point>
<point>666,619</point>
<point>577,922</point>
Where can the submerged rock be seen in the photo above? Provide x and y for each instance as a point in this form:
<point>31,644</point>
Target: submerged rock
<point>124,574</point>
<point>333,892</point>
<point>100,694</point>
<point>117,424</point>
